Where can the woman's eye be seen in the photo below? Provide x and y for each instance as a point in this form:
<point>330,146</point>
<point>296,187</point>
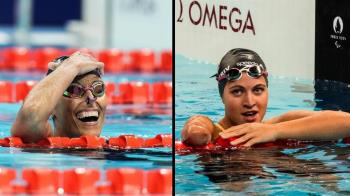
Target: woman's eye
<point>237,92</point>
<point>259,90</point>
<point>99,89</point>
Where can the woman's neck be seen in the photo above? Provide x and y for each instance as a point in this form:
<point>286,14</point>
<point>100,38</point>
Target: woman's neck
<point>226,122</point>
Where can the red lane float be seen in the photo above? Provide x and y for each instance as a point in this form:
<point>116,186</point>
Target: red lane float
<point>110,89</point>
<point>126,180</point>
<point>87,141</point>
<point>161,140</point>
<point>92,142</point>
<point>221,143</point>
<point>6,89</point>
<point>159,181</point>
<point>133,92</point>
<point>113,60</point>
<point>42,56</point>
<point>41,181</point>
<point>225,143</point>
<point>12,142</point>
<point>86,181</point>
<point>142,60</point>
<point>18,58</point>
<point>22,89</point>
<point>6,176</point>
<point>126,141</point>
<point>80,181</point>
<point>116,60</point>
<point>179,146</point>
<point>162,92</point>
<point>166,61</point>
<point>55,142</point>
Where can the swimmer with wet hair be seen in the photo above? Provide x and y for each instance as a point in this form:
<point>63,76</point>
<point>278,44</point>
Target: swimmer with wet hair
<point>72,94</point>
<point>243,87</point>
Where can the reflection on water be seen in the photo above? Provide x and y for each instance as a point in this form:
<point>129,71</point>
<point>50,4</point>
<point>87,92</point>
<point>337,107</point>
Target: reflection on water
<point>332,95</point>
<point>320,168</point>
<point>95,158</point>
<point>313,169</point>
<point>156,157</point>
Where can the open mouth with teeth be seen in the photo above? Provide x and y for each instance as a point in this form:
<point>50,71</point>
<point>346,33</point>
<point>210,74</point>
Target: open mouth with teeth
<point>88,116</point>
<point>250,113</point>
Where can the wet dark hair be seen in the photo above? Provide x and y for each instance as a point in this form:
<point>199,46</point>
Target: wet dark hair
<point>232,59</point>
<point>60,59</point>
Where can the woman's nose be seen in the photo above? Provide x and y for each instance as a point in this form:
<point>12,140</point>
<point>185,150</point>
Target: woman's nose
<point>249,100</point>
<point>90,98</point>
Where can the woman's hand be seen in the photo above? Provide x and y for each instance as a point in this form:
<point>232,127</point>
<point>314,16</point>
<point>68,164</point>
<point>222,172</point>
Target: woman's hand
<point>251,133</point>
<point>81,62</point>
<point>197,131</point>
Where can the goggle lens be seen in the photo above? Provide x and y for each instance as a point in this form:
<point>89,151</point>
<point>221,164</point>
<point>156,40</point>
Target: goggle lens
<point>78,91</point>
<point>254,71</point>
<point>235,73</point>
<point>98,89</point>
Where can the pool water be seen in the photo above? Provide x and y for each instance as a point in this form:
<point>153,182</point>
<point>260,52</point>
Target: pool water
<point>118,122</point>
<point>315,168</point>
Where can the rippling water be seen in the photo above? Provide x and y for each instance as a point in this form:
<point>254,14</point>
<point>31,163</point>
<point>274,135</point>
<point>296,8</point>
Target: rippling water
<point>141,120</point>
<point>315,168</point>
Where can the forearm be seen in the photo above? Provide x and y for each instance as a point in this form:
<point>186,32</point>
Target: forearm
<point>291,115</point>
<point>32,119</point>
<point>48,91</point>
<point>325,125</point>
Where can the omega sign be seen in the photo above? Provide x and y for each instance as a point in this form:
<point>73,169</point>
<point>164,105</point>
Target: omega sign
<point>221,17</point>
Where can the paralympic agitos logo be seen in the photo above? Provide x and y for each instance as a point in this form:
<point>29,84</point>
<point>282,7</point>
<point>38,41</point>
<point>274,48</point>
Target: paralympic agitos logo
<point>221,17</point>
<point>338,26</point>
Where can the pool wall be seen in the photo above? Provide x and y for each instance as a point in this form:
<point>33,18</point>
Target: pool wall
<point>281,31</point>
<point>291,36</point>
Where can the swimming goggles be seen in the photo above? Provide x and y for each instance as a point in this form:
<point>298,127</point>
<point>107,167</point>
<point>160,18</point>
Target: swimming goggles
<point>254,71</point>
<point>77,91</point>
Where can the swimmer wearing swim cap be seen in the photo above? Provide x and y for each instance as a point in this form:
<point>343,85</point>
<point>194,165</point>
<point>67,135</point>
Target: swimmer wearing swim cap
<point>72,94</point>
<point>233,64</point>
<point>242,79</point>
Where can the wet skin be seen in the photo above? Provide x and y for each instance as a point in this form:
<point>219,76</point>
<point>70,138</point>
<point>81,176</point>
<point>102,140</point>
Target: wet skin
<point>66,120</point>
<point>245,101</point>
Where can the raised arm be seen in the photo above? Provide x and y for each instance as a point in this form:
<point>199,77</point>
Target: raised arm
<point>198,130</point>
<point>31,123</point>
